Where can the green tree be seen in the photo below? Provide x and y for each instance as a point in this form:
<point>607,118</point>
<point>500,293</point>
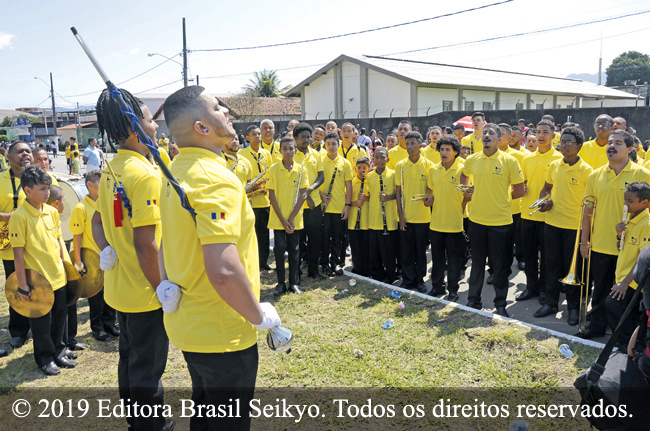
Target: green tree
<point>265,84</point>
<point>631,65</point>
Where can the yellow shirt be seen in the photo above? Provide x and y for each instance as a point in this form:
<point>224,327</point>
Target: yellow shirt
<point>7,204</point>
<point>373,190</point>
<point>432,154</point>
<point>396,155</point>
<point>608,188</point>
<point>515,207</point>
<point>534,167</point>
<point>164,143</point>
<point>285,185</point>
<point>447,210</point>
<point>475,145</point>
<point>80,222</point>
<point>524,150</point>
<point>556,139</point>
<point>274,149</point>
<point>492,177</point>
<point>594,154</point>
<point>569,184</point>
<point>313,165</point>
<point>164,156</point>
<point>343,174</point>
<point>354,211</point>
<point>125,287</point>
<point>55,182</point>
<point>39,233</point>
<point>646,163</point>
<point>416,176</point>
<point>352,154</point>
<point>257,161</point>
<point>67,151</point>
<point>641,152</point>
<point>203,322</point>
<point>243,170</point>
<point>637,236</point>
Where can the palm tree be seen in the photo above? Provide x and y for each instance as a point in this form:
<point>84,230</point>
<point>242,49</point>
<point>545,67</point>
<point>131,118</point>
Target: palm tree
<point>265,84</point>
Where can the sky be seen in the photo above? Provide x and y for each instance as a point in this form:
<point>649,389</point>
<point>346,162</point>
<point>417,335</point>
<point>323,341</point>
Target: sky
<point>36,40</point>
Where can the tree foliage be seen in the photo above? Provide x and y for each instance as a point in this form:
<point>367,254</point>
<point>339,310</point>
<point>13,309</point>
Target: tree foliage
<point>265,84</point>
<point>631,65</point>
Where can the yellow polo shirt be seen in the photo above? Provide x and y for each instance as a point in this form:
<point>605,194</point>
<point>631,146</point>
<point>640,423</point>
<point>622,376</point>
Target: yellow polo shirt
<point>373,190</point>
<point>524,150</point>
<point>556,139</point>
<point>39,233</point>
<point>646,163</point>
<point>203,322</point>
<point>313,165</point>
<point>594,154</point>
<point>274,149</point>
<point>80,222</point>
<point>492,177</point>
<point>396,155</point>
<point>516,203</point>
<point>447,210</point>
<point>354,211</point>
<point>164,144</point>
<point>257,161</point>
<point>637,236</point>
<point>475,145</point>
<point>352,154</point>
<point>285,183</point>
<point>608,188</point>
<point>243,170</point>
<point>343,174</point>
<point>432,154</point>
<point>125,287</point>
<point>569,184</point>
<point>534,167</point>
<point>55,182</point>
<point>164,156</point>
<point>416,177</point>
<point>7,204</point>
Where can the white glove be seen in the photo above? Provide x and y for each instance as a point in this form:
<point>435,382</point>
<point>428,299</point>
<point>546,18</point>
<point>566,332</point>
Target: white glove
<point>107,258</point>
<point>271,318</point>
<point>169,295</point>
<point>81,268</point>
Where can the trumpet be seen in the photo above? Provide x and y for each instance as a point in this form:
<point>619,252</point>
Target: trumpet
<point>538,203</point>
<point>420,197</point>
<point>464,188</point>
<point>571,278</point>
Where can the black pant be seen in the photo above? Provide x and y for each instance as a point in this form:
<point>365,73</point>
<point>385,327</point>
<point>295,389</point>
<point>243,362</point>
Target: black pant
<point>533,235</point>
<point>18,324</point>
<point>345,241</point>
<point>310,238</point>
<point>615,308</point>
<point>102,315</point>
<point>560,244</point>
<point>446,251</point>
<point>467,243</point>
<point>519,241</point>
<point>221,379</point>
<point>289,242</point>
<point>413,245</point>
<point>143,351</point>
<point>603,274</point>
<point>381,254</point>
<point>331,244</point>
<point>70,334</point>
<point>48,331</point>
<point>360,252</point>
<point>489,241</point>
<point>262,233</point>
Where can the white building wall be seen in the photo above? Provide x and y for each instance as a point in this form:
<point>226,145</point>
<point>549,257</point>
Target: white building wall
<point>478,97</point>
<point>547,99</point>
<point>564,101</point>
<point>430,99</point>
<point>386,94</point>
<point>609,103</point>
<point>319,96</point>
<point>509,101</point>
<point>351,92</point>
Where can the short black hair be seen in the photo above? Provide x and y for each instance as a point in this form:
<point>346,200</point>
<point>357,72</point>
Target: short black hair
<point>627,137</point>
<point>450,140</point>
<point>458,126</point>
<point>15,144</point>
<point>465,147</point>
<point>405,122</point>
<point>546,123</point>
<point>576,133</point>
<point>90,140</point>
<point>187,99</point>
<point>94,176</point>
<point>38,150</point>
<point>250,128</point>
<point>320,126</point>
<point>478,114</point>
<point>301,127</point>
<point>414,135</point>
<point>493,126</point>
<point>632,155</point>
<point>516,129</point>
<point>362,161</point>
<point>548,117</point>
<point>331,135</point>
<point>112,120</point>
<point>640,188</point>
<point>288,139</point>
<point>33,175</point>
<point>381,150</point>
<point>56,194</point>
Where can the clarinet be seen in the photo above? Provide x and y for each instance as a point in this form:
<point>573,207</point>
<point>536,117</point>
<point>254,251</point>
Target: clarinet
<point>383,204</point>
<point>357,226</point>
<point>329,190</point>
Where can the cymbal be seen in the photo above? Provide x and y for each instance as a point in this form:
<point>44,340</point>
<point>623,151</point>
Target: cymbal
<point>74,283</point>
<point>93,281</point>
<point>42,298</point>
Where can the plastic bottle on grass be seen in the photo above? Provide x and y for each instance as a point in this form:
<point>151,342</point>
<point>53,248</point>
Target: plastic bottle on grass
<point>394,294</point>
<point>388,324</point>
<point>566,351</point>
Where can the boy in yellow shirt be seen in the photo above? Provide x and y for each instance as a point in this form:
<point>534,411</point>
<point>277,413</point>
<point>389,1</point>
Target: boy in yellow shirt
<point>35,236</point>
<point>287,183</point>
<point>431,151</point>
<point>75,164</point>
<point>398,152</point>
<point>359,219</point>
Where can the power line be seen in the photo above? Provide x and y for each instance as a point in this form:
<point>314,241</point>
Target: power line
<point>356,32</point>
<point>250,73</point>
<point>160,86</point>
<point>520,34</point>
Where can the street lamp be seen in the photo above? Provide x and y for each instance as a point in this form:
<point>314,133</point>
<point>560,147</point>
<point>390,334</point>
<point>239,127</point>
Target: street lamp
<point>171,59</point>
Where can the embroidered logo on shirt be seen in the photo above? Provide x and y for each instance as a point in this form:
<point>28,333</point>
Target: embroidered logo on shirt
<point>634,240</point>
<point>574,181</point>
<point>497,170</point>
<point>453,180</point>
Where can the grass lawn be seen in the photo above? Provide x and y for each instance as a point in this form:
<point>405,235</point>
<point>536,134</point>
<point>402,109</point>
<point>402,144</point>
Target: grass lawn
<point>340,348</point>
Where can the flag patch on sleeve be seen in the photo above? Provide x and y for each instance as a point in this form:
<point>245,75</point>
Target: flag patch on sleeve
<point>217,216</point>
<point>151,202</point>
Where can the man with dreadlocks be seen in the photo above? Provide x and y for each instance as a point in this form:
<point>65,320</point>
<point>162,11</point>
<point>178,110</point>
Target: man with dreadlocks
<point>126,227</point>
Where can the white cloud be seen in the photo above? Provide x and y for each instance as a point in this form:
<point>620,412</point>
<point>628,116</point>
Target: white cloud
<point>115,54</point>
<point>6,39</point>
<point>134,51</point>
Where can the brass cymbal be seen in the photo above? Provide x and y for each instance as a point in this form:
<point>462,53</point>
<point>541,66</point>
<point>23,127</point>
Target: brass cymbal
<point>93,281</point>
<point>41,300</point>
<point>74,283</point>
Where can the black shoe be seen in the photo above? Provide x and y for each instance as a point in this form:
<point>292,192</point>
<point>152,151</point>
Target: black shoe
<point>101,336</point>
<point>70,354</point>
<point>521,265</point>
<point>501,311</point>
<point>573,317</point>
<point>50,369</point>
<point>78,346</point>
<point>546,310</point>
<point>338,270</point>
<point>405,285</point>
<point>17,342</point>
<point>3,353</point>
<point>422,288</point>
<point>329,272</point>
<point>542,298</point>
<point>490,279</point>
<point>437,292</point>
<point>317,276</point>
<point>452,297</point>
<point>462,274</point>
<point>280,289</point>
<point>267,267</point>
<point>65,363</point>
<point>304,264</point>
<point>526,294</point>
<point>113,330</point>
<point>475,305</point>
<point>295,289</point>
<point>589,334</point>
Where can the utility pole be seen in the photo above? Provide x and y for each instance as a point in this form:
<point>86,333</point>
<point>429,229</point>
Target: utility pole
<point>184,56</point>
<point>600,60</point>
<point>53,107</point>
<point>197,80</point>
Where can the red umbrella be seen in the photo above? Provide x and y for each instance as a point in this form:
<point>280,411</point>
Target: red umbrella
<point>466,121</point>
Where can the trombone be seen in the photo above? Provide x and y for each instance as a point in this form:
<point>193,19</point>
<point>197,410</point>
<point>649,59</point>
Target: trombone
<point>538,203</point>
<point>464,188</point>
<point>571,278</point>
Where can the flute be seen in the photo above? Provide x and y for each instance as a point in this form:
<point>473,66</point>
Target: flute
<point>622,241</point>
<point>329,190</point>
<point>295,198</point>
<point>357,225</point>
<point>383,204</point>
